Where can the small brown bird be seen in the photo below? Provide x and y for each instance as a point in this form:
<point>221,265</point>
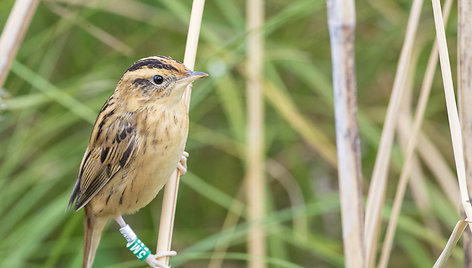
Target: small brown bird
<point>136,144</point>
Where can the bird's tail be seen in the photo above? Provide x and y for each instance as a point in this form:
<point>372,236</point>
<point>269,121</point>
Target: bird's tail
<point>93,227</point>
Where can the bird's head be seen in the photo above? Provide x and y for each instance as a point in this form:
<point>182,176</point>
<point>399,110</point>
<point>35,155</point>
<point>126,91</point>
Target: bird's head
<point>157,79</point>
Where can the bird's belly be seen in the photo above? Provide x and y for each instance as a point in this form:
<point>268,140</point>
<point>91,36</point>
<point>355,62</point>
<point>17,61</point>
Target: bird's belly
<point>155,173</point>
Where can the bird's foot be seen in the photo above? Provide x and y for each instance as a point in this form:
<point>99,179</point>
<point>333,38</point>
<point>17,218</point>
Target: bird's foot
<point>182,165</point>
<point>154,263</point>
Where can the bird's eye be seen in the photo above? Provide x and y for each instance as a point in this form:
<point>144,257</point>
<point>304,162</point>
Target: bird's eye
<point>157,79</point>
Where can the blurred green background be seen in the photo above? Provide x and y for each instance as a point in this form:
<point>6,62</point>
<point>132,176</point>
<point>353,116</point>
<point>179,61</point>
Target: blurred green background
<point>75,52</point>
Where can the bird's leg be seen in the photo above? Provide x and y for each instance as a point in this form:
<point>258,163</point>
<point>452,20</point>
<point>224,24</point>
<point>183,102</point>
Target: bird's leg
<point>139,249</point>
<point>182,165</point>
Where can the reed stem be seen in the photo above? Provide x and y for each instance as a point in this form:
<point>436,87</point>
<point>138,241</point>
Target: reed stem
<point>13,33</point>
<point>452,114</point>
<point>376,196</point>
<point>341,21</point>
<point>255,179</point>
<point>169,202</point>
<point>411,147</point>
<point>464,89</point>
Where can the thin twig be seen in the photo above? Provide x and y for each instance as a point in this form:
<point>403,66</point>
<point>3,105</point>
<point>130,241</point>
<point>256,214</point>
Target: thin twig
<point>341,21</point>
<point>169,202</point>
<point>255,183</point>
<point>13,33</point>
<point>375,198</point>
<point>417,181</point>
<point>411,147</point>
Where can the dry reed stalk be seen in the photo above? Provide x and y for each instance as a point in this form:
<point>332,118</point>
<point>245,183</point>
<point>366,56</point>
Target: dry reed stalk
<point>409,155</point>
<point>419,192</point>
<point>417,182</point>
<point>13,33</point>
<point>169,202</point>
<point>454,123</point>
<point>255,180</point>
<point>451,243</point>
<point>418,186</point>
<point>341,21</point>
<point>464,89</point>
<point>375,198</point>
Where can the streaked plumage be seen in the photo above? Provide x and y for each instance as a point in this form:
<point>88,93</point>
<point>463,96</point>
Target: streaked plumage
<point>136,144</point>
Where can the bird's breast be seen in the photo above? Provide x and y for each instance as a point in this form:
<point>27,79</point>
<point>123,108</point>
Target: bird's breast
<point>162,133</point>
<point>161,140</point>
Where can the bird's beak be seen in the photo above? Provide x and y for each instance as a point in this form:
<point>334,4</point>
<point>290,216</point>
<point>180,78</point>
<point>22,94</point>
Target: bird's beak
<point>192,76</point>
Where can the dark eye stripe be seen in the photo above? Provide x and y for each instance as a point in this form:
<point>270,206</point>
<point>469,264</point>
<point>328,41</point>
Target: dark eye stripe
<point>145,84</point>
<point>140,82</point>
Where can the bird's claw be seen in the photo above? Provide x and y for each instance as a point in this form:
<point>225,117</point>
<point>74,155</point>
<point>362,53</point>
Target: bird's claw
<point>182,165</point>
<point>154,263</point>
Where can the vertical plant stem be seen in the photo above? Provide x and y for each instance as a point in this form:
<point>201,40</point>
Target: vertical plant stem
<point>169,202</point>
<point>341,21</point>
<point>454,124</point>
<point>409,156</point>
<point>464,89</point>
<point>376,196</point>
<point>417,182</point>
<point>13,33</point>
<point>255,134</point>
